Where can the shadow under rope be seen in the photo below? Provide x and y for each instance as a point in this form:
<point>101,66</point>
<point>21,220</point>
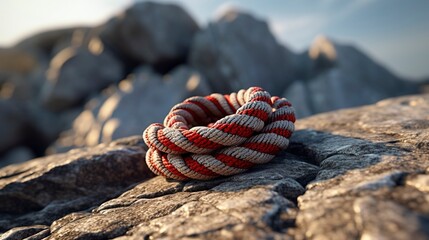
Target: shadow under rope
<point>311,153</point>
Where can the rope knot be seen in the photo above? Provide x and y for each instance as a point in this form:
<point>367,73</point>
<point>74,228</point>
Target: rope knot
<point>219,135</point>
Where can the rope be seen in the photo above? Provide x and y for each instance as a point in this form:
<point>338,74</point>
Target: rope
<point>219,135</point>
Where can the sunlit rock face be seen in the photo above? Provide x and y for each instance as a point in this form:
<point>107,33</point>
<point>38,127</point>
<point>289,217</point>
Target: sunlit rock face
<point>79,70</point>
<point>353,173</point>
<point>322,47</point>
<point>337,76</point>
<point>238,51</point>
<point>144,98</point>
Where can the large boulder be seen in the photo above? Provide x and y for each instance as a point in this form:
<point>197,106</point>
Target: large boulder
<point>45,189</point>
<point>21,74</point>
<point>78,71</point>
<point>13,122</point>
<point>24,87</point>
<point>144,98</point>
<point>239,51</point>
<point>355,173</point>
<point>23,67</point>
<point>38,50</point>
<point>44,44</point>
<point>16,61</point>
<point>339,76</point>
<point>27,125</point>
<point>16,155</point>
<point>152,33</point>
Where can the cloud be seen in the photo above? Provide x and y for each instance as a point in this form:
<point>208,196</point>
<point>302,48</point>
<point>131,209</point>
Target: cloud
<point>328,2</point>
<point>346,9</point>
<point>354,6</point>
<point>298,24</point>
<point>299,30</point>
<point>225,7</point>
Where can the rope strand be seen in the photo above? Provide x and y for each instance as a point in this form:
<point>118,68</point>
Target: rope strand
<point>219,135</point>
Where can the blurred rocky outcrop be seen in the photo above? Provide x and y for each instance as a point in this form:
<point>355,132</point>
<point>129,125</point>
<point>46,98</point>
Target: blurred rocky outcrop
<point>24,125</point>
<point>239,51</point>
<point>19,73</point>
<point>17,155</point>
<point>13,120</point>
<point>354,173</point>
<point>144,98</point>
<point>51,75</point>
<point>424,85</point>
<point>156,34</point>
<point>70,81</point>
<point>336,76</point>
<point>79,70</point>
<point>44,45</point>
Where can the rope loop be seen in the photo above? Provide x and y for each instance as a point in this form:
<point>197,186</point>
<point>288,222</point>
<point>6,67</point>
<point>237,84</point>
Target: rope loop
<point>219,135</point>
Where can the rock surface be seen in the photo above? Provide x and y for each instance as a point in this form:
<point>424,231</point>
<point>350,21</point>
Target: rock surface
<point>354,173</point>
<point>239,51</point>
<point>45,189</point>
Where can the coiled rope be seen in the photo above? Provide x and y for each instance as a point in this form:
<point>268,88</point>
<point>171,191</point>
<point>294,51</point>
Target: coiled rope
<point>219,135</point>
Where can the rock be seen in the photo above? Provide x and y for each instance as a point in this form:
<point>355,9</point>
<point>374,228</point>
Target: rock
<point>26,87</point>
<point>43,44</point>
<point>27,125</point>
<point>339,76</point>
<point>152,33</point>
<point>13,120</point>
<point>45,189</point>
<point>21,74</point>
<point>424,85</point>
<point>354,173</point>
<point>76,72</point>
<point>238,51</point>
<point>74,75</point>
<point>16,60</point>
<point>47,125</point>
<point>29,59</point>
<point>381,219</point>
<point>158,208</point>
<point>296,94</point>
<point>16,155</point>
<point>30,232</point>
<point>144,98</point>
<point>372,200</point>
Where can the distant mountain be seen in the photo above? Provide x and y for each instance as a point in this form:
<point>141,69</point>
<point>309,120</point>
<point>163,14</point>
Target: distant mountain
<point>334,76</point>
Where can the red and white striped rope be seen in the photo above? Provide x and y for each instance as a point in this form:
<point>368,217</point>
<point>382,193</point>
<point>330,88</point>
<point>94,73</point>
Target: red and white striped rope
<point>219,135</point>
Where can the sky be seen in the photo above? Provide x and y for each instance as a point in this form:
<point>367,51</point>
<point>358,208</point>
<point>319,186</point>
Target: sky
<point>393,32</point>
